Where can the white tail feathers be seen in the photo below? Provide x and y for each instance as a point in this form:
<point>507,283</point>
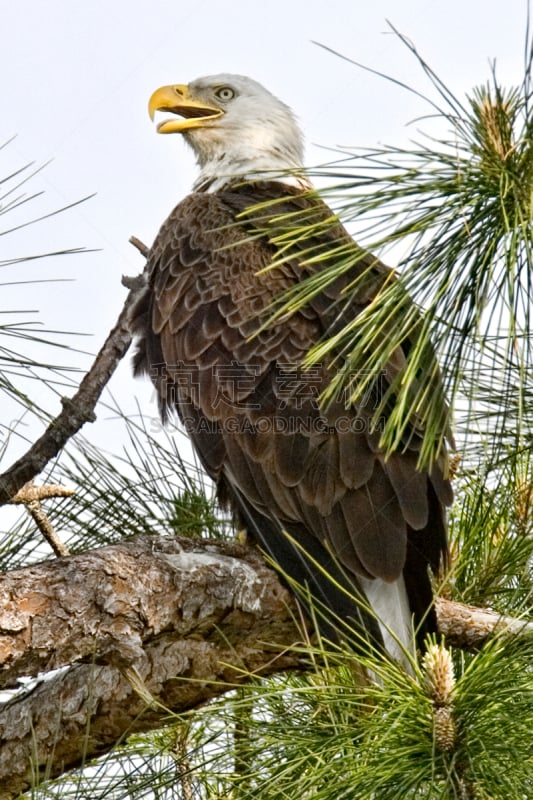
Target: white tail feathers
<point>391,606</point>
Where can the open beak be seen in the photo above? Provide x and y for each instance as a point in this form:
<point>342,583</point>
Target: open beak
<point>178,100</point>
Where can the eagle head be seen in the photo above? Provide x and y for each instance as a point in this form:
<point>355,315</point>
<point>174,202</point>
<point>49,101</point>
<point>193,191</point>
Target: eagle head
<point>235,126</point>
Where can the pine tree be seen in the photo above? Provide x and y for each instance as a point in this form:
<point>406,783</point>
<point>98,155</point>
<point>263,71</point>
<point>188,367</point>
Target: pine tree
<point>193,673</point>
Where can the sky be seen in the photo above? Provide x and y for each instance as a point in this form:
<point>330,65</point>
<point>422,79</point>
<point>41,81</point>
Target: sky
<point>76,78</point>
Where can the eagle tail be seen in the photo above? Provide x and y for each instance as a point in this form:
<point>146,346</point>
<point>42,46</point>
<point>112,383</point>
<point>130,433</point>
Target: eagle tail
<point>391,605</point>
<point>340,607</point>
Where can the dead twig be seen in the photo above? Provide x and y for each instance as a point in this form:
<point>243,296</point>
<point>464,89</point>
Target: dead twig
<point>31,493</point>
<point>30,496</point>
<point>141,247</point>
<point>38,514</point>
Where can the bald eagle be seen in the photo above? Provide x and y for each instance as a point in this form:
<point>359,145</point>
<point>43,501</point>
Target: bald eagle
<point>310,482</point>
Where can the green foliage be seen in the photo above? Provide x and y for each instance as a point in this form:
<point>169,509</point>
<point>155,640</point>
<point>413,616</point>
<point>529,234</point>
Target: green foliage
<point>332,734</point>
<point>491,537</point>
<point>195,514</point>
<point>20,333</point>
<point>150,487</point>
<point>459,201</point>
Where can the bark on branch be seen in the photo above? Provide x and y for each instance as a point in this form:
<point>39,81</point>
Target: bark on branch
<point>105,605</point>
<point>184,620</point>
<point>187,619</point>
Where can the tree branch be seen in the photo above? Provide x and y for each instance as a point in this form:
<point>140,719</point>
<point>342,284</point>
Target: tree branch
<point>78,409</point>
<point>151,625</point>
<point>185,620</point>
<point>105,605</point>
<point>469,627</point>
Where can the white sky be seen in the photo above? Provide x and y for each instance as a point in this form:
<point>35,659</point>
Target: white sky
<point>77,75</point>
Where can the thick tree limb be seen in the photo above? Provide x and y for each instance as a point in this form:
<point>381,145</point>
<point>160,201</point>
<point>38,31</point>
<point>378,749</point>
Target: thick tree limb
<point>108,603</point>
<point>78,409</point>
<point>83,713</point>
<point>105,605</point>
<point>190,618</point>
<point>185,620</point>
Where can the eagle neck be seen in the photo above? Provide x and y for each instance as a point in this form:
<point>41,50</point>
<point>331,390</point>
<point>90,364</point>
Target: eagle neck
<point>213,183</point>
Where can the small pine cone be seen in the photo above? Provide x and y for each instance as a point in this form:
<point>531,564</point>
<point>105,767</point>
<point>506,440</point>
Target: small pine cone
<point>440,677</point>
<point>444,729</point>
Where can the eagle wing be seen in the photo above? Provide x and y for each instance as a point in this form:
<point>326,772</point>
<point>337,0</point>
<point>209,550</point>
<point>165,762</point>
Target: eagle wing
<point>310,483</point>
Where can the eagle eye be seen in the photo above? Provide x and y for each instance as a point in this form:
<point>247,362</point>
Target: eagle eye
<point>225,93</point>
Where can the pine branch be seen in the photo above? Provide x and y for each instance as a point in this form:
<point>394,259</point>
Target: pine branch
<point>107,603</point>
<point>469,627</point>
<point>78,409</point>
<point>166,624</point>
<point>184,620</point>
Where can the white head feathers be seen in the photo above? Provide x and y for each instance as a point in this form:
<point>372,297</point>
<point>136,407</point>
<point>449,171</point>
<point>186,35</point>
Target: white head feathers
<point>237,129</point>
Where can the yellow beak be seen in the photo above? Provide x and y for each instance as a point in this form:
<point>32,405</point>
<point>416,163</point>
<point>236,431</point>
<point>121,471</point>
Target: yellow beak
<point>178,100</point>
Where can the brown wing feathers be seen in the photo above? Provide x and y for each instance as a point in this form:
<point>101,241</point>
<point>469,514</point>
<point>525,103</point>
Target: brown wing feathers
<point>284,463</point>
